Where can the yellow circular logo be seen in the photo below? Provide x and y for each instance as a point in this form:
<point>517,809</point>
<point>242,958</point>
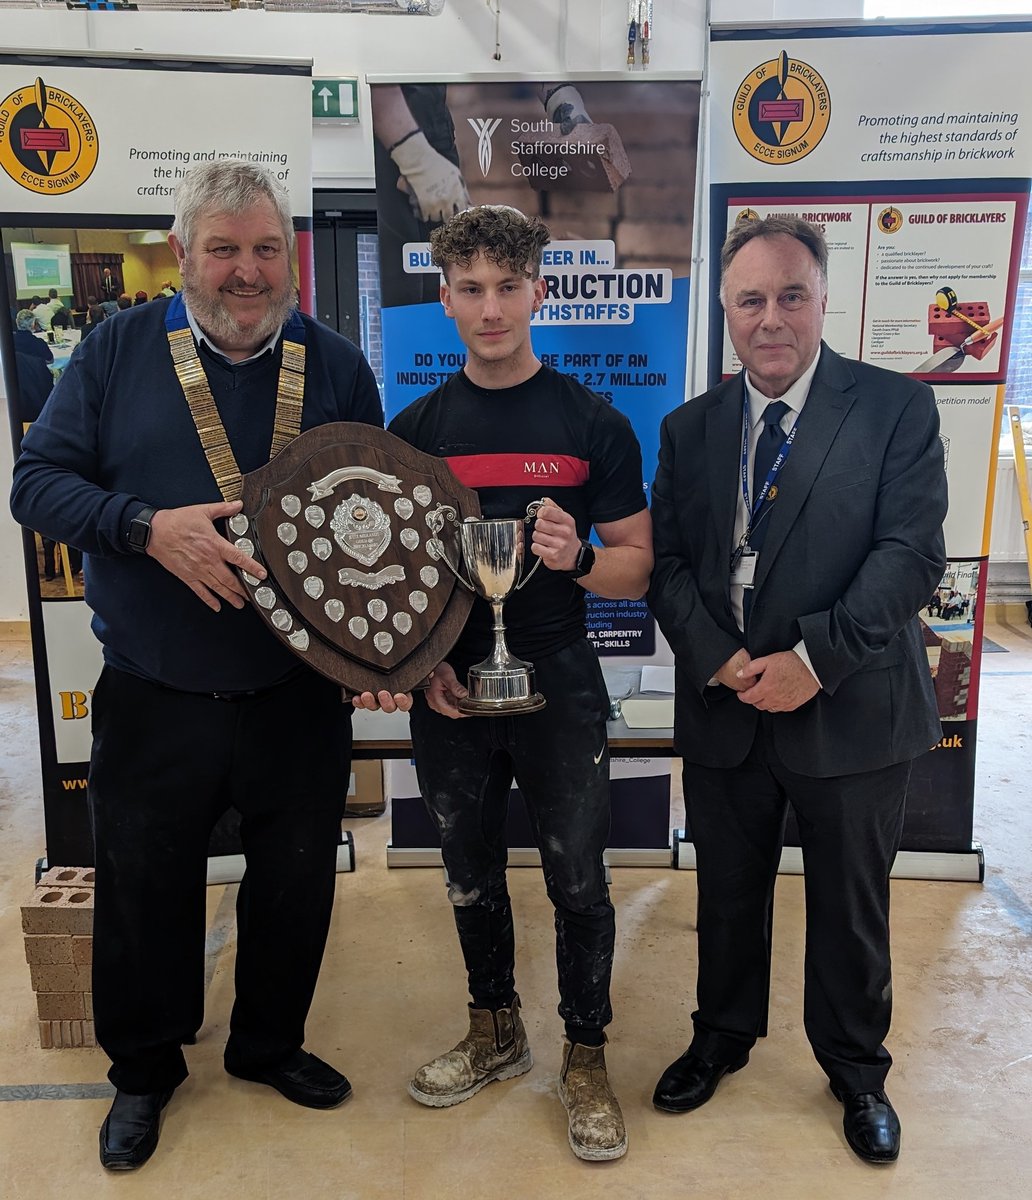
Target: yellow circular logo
<point>48,141</point>
<point>890,220</point>
<point>781,111</point>
<point>747,214</point>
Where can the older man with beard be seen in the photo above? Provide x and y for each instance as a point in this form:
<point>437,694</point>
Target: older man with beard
<point>137,462</point>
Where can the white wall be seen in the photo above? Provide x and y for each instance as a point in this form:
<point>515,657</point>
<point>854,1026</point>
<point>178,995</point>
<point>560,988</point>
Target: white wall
<point>537,37</point>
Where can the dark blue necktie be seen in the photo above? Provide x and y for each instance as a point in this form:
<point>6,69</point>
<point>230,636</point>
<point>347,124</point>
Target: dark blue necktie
<point>771,439</point>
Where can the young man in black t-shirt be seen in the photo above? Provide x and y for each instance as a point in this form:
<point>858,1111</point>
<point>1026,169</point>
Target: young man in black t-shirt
<point>515,431</point>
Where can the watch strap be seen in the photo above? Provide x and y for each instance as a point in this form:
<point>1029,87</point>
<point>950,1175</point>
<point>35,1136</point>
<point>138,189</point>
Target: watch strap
<point>140,529</point>
<point>585,561</point>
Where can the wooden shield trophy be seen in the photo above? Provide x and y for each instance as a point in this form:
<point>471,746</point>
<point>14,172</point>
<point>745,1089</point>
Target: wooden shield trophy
<point>356,586</point>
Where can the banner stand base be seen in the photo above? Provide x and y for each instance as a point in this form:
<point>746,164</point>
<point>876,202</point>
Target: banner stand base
<point>529,856</point>
<point>229,868</point>
<point>964,866</point>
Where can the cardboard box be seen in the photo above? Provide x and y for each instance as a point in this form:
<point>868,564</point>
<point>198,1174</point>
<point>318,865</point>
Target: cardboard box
<point>366,794</point>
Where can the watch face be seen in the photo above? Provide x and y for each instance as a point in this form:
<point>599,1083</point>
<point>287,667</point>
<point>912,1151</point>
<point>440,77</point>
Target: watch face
<point>585,559</point>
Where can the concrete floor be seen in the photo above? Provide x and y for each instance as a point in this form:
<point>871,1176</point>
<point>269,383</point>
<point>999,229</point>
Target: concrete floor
<point>392,995</point>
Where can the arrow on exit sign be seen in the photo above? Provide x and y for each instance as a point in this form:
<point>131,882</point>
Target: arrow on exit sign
<point>335,99</point>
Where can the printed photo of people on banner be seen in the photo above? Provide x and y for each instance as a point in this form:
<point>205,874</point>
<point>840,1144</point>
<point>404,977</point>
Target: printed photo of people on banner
<point>610,169</point>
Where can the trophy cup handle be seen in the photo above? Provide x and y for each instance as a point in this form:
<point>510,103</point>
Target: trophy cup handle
<point>435,520</point>
<point>532,511</point>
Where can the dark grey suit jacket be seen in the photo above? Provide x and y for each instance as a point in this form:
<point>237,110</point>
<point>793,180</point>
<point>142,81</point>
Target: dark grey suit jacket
<point>854,549</point>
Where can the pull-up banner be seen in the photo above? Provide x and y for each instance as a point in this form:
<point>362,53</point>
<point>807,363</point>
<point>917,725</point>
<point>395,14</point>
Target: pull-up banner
<point>91,148</point>
<point>609,166</point>
<point>922,194</point>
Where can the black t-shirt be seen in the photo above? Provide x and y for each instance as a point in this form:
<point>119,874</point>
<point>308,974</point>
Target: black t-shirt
<point>549,436</point>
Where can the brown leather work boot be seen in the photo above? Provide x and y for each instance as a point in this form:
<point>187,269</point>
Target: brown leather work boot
<point>495,1048</point>
<point>596,1123</point>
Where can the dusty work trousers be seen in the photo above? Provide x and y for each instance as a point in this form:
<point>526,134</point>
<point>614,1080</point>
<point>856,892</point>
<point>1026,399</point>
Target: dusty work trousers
<point>849,830</point>
<point>559,759</point>
<point>165,766</point>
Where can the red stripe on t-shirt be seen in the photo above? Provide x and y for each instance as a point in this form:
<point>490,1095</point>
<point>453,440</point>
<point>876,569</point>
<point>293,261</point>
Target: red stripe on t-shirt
<point>519,470</point>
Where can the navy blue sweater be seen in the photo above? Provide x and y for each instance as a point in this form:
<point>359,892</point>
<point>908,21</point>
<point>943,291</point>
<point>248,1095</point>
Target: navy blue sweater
<point>117,435</point>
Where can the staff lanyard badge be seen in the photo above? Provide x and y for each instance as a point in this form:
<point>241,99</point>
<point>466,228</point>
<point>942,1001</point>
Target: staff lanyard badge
<point>744,558</point>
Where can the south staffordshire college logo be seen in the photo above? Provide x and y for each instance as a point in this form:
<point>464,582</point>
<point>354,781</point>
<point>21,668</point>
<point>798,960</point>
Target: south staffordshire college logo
<point>48,141</point>
<point>781,111</point>
<point>484,128</point>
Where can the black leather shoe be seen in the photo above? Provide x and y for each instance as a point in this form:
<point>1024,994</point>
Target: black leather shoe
<point>690,1081</point>
<point>129,1134</point>
<point>870,1125</point>
<point>302,1078</point>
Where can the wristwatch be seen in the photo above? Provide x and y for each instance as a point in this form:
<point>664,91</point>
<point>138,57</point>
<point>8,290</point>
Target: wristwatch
<point>140,530</point>
<point>585,561</point>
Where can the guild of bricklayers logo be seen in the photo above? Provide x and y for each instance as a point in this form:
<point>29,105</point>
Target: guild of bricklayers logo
<point>48,141</point>
<point>890,220</point>
<point>781,111</point>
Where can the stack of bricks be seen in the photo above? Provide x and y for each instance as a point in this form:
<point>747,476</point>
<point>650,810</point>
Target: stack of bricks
<point>948,329</point>
<point>58,927</point>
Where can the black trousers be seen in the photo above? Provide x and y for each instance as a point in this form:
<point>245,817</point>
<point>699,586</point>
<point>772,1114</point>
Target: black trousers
<point>165,766</point>
<point>559,759</point>
<point>849,830</point>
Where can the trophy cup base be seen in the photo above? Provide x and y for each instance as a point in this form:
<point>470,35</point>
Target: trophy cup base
<point>495,692</point>
<point>501,708</point>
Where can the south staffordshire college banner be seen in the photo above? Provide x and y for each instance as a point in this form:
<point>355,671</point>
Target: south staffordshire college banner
<point>84,182</point>
<point>609,166</point>
<point>922,193</point>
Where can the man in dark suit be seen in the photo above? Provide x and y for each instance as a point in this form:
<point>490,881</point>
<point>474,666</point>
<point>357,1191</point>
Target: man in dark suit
<point>798,513</point>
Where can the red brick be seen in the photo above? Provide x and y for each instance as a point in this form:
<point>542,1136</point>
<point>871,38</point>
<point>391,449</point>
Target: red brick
<point>655,204</point>
<point>980,348</point>
<point>48,948</point>
<point>654,239</point>
<point>581,229</point>
<point>581,204</point>
<point>664,167</point>
<point>598,171</point>
<point>46,1037</point>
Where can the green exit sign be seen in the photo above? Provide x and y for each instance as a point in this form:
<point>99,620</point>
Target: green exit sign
<point>335,100</point>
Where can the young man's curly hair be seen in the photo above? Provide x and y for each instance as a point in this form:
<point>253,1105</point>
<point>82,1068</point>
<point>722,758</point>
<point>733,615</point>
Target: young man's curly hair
<point>501,234</point>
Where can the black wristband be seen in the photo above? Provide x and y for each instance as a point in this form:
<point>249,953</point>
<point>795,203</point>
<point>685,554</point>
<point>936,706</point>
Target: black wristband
<point>411,134</point>
<point>138,536</point>
<point>585,561</point>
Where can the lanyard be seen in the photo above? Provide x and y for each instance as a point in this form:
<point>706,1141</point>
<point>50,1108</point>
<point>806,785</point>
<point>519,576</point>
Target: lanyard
<point>290,393</point>
<point>765,491</point>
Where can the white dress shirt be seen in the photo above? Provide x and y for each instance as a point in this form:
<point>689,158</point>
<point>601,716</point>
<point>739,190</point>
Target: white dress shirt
<point>795,398</point>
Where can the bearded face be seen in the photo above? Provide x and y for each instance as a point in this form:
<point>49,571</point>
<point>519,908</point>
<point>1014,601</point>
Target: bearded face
<point>237,277</point>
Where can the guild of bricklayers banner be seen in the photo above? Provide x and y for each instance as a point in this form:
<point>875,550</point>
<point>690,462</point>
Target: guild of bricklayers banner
<point>911,147</point>
<point>82,186</point>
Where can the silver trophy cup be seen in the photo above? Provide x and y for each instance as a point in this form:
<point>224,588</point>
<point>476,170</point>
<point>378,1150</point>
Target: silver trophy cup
<point>492,552</point>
